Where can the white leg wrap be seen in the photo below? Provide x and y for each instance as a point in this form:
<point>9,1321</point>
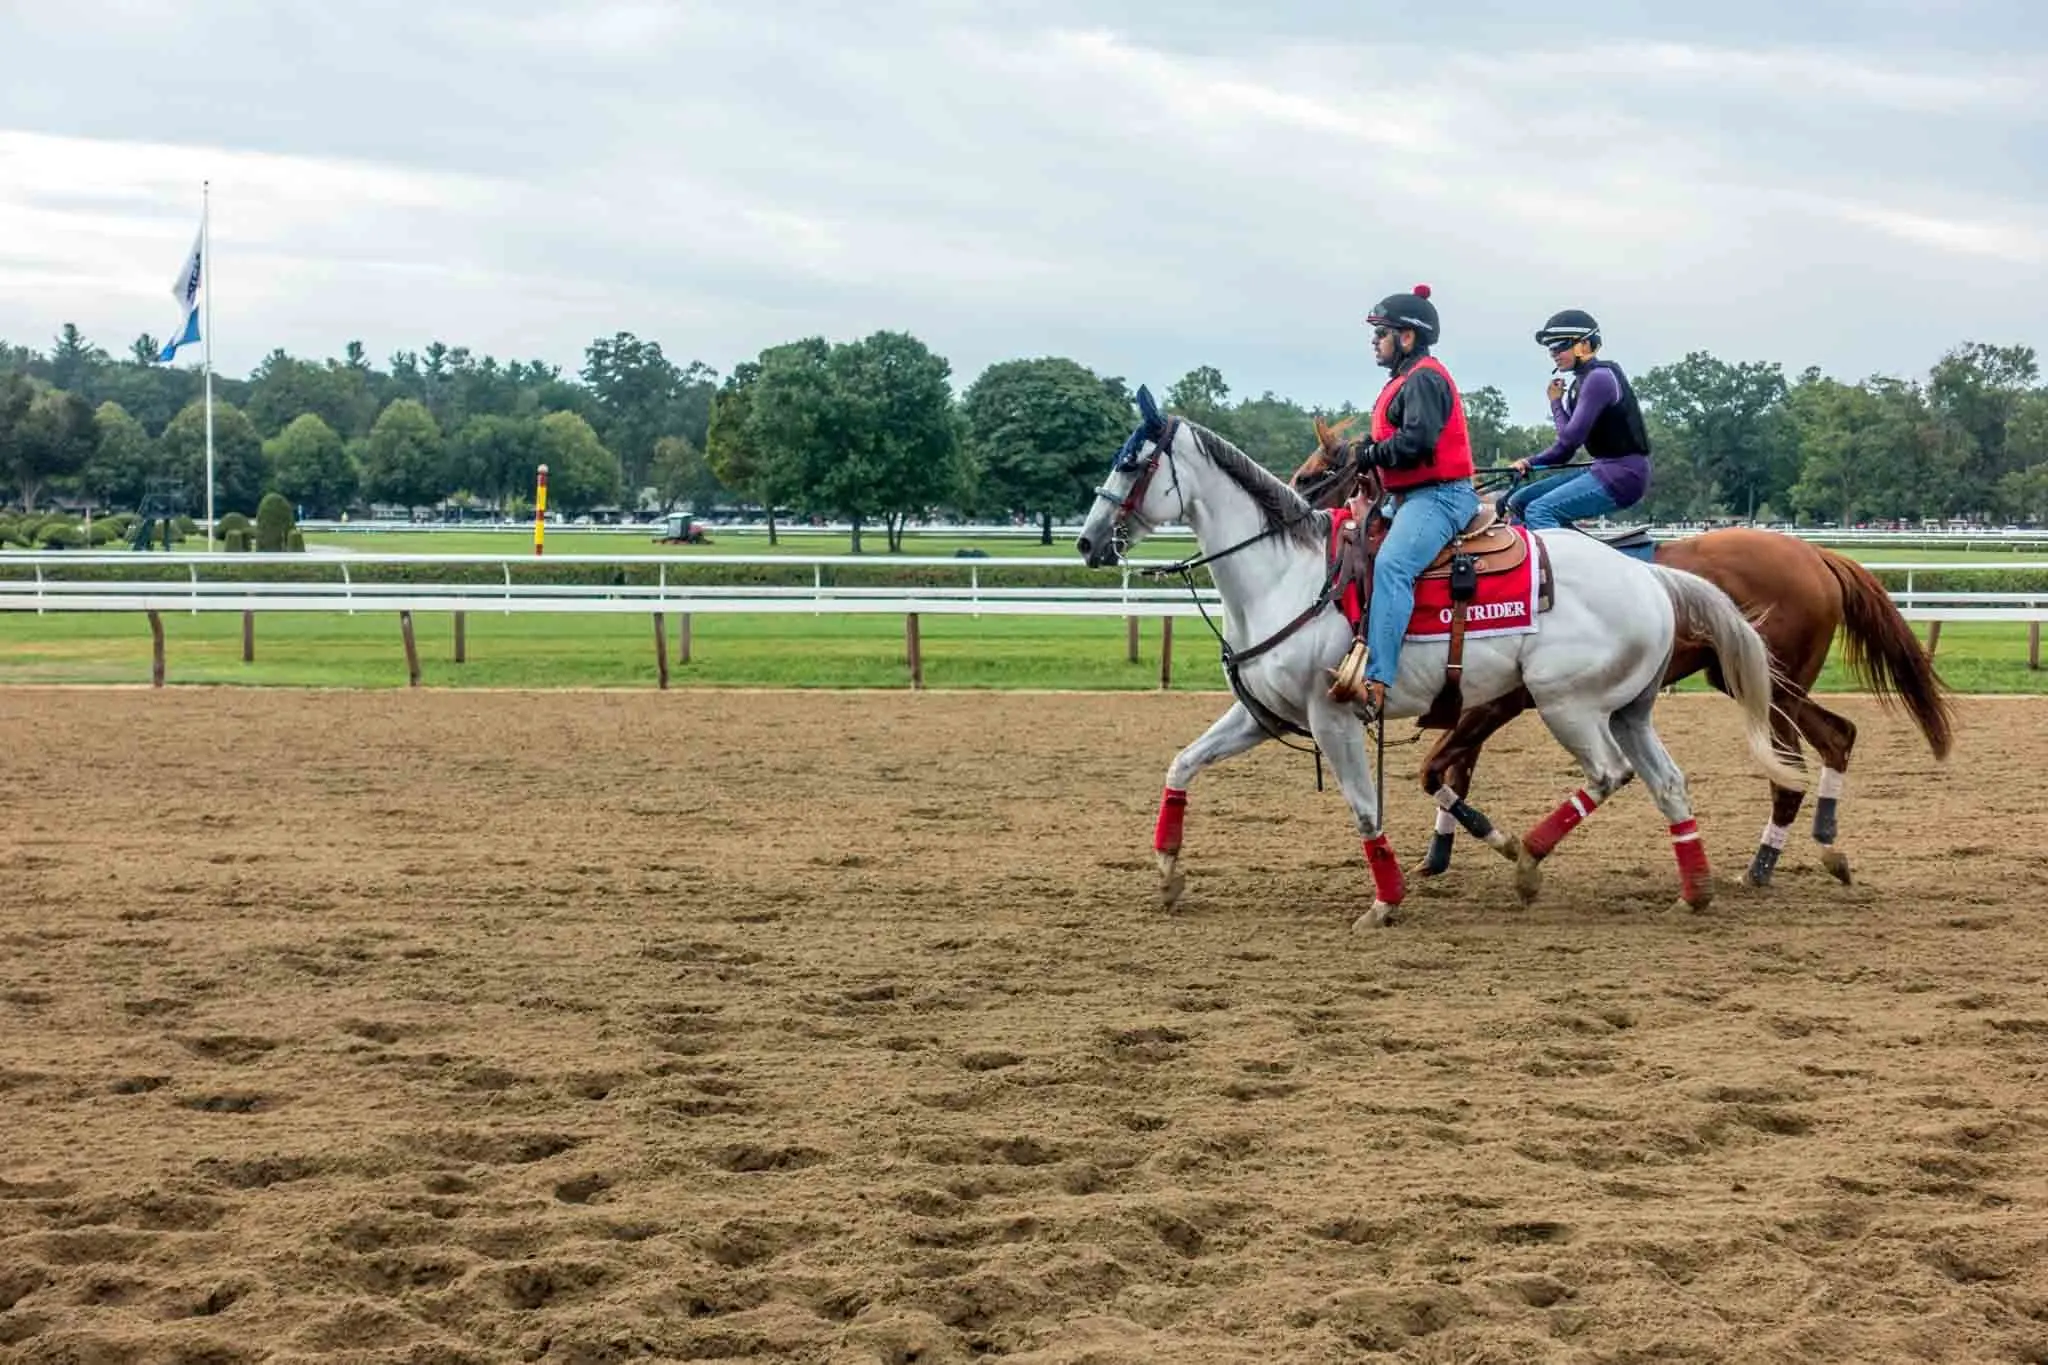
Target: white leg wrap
<point>1774,836</point>
<point>1833,784</point>
<point>1445,824</point>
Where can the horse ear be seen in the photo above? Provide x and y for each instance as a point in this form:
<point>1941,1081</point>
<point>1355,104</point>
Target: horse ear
<point>1147,409</point>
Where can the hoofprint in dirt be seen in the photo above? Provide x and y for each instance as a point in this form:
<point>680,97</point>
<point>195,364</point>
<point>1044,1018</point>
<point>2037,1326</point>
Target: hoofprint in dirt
<point>437,1027</point>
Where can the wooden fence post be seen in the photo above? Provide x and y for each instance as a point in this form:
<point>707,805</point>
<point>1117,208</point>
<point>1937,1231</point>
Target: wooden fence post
<point>156,650</point>
<point>412,652</point>
<point>248,637</point>
<point>461,639</point>
<point>1131,630</point>
<point>911,645</point>
<point>661,649</point>
<point>683,639</point>
<point>1165,652</point>
<point>2034,645</point>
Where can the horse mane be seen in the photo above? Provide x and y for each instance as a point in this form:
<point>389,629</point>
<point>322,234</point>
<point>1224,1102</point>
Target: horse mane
<point>1283,509</point>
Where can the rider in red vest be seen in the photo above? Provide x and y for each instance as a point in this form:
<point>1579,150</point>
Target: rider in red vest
<point>1419,442</point>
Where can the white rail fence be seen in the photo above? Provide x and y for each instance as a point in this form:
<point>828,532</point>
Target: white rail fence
<point>42,583</point>
<point>2010,538</point>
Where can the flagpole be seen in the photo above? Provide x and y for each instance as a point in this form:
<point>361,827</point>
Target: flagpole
<point>206,341</point>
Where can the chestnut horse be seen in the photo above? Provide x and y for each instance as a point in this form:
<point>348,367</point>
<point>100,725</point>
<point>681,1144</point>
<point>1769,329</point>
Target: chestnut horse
<point>1798,595</point>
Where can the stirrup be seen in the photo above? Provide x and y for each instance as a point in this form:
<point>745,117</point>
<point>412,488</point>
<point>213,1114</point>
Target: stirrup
<point>1347,679</point>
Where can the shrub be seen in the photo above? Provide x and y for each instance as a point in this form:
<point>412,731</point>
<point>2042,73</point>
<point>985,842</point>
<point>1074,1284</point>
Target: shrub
<point>274,523</point>
<point>296,541</point>
<point>59,535</point>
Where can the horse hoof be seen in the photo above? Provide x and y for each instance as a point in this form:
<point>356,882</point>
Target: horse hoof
<point>1172,881</point>
<point>1837,864</point>
<point>1697,901</point>
<point>1528,878</point>
<point>1381,915</point>
<point>1509,847</point>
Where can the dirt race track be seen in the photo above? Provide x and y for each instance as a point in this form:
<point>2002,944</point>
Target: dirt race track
<point>442,1027</point>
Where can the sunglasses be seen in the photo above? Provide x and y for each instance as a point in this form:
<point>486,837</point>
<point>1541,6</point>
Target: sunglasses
<point>1380,333</point>
<point>1560,347</point>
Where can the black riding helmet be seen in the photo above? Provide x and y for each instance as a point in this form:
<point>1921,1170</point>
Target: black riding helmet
<point>1565,328</point>
<point>1412,309</point>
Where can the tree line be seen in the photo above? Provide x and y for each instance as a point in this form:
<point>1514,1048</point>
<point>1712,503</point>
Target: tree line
<point>871,431</point>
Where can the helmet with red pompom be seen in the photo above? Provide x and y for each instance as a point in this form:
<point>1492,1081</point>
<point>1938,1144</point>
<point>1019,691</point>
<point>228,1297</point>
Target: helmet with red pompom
<point>1412,309</point>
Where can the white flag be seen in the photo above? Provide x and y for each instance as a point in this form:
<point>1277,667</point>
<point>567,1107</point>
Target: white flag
<point>185,289</point>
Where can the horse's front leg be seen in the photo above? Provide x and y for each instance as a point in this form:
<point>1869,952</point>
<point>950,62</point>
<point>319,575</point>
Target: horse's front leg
<point>1234,732</point>
<point>1342,740</point>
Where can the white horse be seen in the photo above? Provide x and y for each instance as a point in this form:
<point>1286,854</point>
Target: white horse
<point>1594,666</point>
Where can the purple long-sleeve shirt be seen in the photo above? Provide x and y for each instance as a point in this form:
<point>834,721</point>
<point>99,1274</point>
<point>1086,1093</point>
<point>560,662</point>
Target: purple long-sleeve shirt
<point>1623,476</point>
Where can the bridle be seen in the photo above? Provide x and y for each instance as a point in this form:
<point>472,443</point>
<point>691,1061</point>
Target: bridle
<point>1233,659</point>
<point>1127,506</point>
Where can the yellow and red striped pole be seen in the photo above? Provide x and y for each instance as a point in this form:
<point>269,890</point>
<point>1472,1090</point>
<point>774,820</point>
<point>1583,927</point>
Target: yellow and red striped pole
<point>540,508</point>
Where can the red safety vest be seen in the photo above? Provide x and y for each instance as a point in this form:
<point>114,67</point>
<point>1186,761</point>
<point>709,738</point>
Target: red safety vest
<point>1452,458</point>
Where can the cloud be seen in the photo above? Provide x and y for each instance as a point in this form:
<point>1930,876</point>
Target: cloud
<point>1145,188</point>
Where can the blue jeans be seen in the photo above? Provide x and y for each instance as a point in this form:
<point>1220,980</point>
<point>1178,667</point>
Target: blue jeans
<point>1561,499</point>
<point>1425,519</point>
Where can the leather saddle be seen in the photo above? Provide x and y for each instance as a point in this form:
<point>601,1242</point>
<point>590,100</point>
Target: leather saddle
<point>1484,545</point>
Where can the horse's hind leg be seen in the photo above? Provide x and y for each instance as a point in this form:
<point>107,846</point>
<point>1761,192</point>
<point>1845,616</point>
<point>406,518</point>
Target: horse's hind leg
<point>1582,729</point>
<point>1234,732</point>
<point>1785,802</point>
<point>1832,736</point>
<point>1638,738</point>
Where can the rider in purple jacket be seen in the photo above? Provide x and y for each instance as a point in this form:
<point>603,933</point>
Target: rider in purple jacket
<point>1599,412</point>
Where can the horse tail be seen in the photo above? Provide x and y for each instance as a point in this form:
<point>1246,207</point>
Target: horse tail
<point>1882,651</point>
<point>1708,613</point>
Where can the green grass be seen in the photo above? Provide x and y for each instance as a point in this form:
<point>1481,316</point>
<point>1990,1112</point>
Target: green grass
<point>546,650</point>
<point>538,650</point>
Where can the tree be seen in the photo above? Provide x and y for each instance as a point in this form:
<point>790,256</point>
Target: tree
<point>682,474</point>
<point>282,388</point>
<point>1039,433</point>
<point>1496,440</point>
<point>404,461</point>
<point>239,473</point>
<point>122,461</point>
<point>310,466</point>
<point>1725,435</point>
<point>496,457</point>
<point>75,362</point>
<point>902,451</point>
<point>642,397</point>
<point>582,474</point>
<point>1975,392</point>
<point>1199,395</point>
<point>731,448</point>
<point>46,439</point>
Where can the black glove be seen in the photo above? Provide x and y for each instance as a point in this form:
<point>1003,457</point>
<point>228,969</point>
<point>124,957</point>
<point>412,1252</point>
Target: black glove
<point>1368,455</point>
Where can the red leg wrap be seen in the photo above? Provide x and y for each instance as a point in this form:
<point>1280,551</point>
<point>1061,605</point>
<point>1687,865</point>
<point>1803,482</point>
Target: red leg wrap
<point>1173,809</point>
<point>1692,858</point>
<point>1559,823</point>
<point>1387,884</point>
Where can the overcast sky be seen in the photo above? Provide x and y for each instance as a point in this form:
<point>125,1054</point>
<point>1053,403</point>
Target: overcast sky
<point>1145,187</point>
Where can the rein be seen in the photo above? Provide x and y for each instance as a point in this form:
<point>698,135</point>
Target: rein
<point>1275,727</point>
